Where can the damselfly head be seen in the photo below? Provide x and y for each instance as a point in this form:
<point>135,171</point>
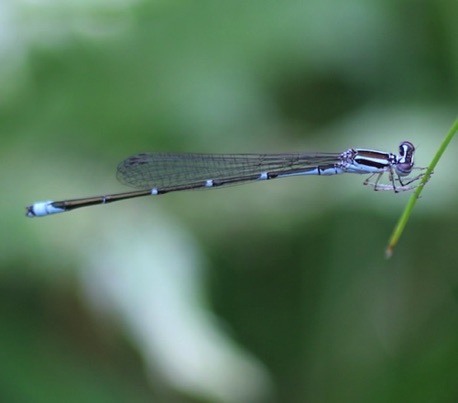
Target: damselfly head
<point>405,161</point>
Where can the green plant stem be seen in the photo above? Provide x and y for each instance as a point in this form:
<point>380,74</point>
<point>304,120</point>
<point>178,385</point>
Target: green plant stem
<point>411,203</point>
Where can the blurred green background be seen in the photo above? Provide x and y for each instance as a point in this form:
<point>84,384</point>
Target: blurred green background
<point>271,292</point>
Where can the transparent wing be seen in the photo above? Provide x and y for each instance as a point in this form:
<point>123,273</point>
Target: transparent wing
<point>148,170</point>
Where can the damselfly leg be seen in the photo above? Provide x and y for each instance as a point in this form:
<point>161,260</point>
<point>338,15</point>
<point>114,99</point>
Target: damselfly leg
<point>397,183</point>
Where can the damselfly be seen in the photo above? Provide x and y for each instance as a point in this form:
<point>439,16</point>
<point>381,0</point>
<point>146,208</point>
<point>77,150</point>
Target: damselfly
<point>160,173</point>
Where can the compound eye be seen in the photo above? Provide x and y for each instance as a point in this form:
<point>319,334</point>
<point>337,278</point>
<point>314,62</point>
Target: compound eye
<point>405,161</point>
<point>406,148</point>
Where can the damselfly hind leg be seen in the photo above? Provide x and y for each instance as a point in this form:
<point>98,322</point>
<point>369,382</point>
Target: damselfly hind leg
<point>375,184</point>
